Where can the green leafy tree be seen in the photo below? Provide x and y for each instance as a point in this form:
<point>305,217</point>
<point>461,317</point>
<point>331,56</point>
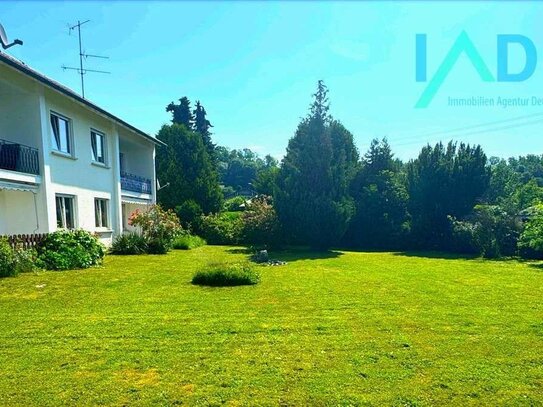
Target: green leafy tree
<point>181,113</point>
<point>381,219</point>
<point>185,164</point>
<point>312,196</point>
<point>265,181</point>
<point>444,181</point>
<point>528,167</point>
<point>527,195</point>
<point>239,169</point>
<point>504,181</point>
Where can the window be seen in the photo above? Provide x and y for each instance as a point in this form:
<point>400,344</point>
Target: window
<point>65,212</point>
<point>101,212</point>
<point>60,130</point>
<point>98,147</point>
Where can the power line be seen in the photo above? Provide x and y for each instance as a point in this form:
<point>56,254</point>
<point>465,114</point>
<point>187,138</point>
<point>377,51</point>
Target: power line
<point>461,129</point>
<point>511,126</point>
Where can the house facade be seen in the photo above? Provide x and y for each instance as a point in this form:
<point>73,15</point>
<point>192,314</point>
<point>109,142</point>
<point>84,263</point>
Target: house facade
<point>65,162</point>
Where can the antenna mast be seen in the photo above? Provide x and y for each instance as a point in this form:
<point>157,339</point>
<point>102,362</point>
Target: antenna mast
<point>81,70</point>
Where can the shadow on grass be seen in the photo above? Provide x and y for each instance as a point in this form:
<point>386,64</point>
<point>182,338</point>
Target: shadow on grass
<point>437,255</point>
<point>291,254</point>
<point>239,250</point>
<point>535,264</point>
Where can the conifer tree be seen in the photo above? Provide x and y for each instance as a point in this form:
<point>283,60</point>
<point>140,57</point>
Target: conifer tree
<point>181,113</point>
<point>202,126</point>
<point>312,197</point>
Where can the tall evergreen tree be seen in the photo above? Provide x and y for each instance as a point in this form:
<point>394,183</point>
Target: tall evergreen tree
<point>185,164</point>
<point>444,181</point>
<point>181,113</point>
<point>312,197</point>
<point>202,126</point>
<point>381,219</point>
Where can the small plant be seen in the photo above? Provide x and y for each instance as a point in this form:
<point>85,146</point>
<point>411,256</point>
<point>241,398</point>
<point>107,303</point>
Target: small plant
<point>129,243</point>
<point>158,227</point>
<point>188,242</point>
<point>226,275</point>
<point>70,249</point>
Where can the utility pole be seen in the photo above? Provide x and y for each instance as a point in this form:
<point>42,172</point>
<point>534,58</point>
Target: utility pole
<point>81,70</point>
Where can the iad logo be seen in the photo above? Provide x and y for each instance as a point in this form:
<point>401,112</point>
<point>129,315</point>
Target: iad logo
<point>464,45</point>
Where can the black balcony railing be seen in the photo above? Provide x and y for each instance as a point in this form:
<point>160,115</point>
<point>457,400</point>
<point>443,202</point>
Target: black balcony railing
<point>18,157</point>
<point>134,183</point>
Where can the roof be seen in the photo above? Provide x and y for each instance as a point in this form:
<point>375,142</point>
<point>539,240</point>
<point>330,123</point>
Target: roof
<point>25,69</point>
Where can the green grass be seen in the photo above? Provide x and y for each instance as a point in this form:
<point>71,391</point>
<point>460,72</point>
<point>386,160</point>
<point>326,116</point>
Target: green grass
<point>329,329</point>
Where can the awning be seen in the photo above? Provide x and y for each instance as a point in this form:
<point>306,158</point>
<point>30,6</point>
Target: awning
<point>12,186</point>
<point>135,201</point>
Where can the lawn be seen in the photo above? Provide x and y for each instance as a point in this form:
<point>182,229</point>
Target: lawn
<point>340,328</point>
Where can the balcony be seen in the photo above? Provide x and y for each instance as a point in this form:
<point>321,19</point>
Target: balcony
<point>18,157</point>
<point>134,183</point>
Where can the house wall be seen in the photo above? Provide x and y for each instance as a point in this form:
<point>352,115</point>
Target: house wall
<point>77,175</point>
<point>19,115</point>
<point>25,108</point>
<point>138,155</point>
<point>22,213</point>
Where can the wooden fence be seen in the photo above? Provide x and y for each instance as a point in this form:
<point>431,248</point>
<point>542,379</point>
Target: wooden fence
<point>26,241</point>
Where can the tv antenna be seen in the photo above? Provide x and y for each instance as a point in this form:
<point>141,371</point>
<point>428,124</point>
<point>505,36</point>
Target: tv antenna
<point>82,70</point>
<point>4,39</point>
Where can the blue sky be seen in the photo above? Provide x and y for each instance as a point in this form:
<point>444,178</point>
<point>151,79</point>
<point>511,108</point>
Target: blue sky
<point>254,65</point>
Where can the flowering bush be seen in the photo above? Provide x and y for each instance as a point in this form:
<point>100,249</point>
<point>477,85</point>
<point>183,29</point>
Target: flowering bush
<point>17,260</point>
<point>260,223</point>
<point>159,228</point>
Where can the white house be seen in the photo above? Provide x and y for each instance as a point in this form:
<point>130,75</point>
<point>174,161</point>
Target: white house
<point>65,162</point>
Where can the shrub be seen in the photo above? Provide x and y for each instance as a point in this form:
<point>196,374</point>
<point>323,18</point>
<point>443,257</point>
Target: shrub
<point>489,231</point>
<point>189,213</point>
<point>530,243</point>
<point>25,260</point>
<point>158,227</point>
<point>222,228</point>
<point>227,274</point>
<point>7,259</point>
<point>260,223</point>
<point>188,242</point>
<point>70,249</point>
<point>15,261</point>
<point>129,243</point>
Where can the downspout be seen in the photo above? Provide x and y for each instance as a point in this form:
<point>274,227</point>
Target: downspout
<point>34,194</point>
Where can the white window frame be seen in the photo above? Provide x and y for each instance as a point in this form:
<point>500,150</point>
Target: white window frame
<point>63,220</point>
<point>69,141</point>
<point>98,213</point>
<point>95,159</point>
